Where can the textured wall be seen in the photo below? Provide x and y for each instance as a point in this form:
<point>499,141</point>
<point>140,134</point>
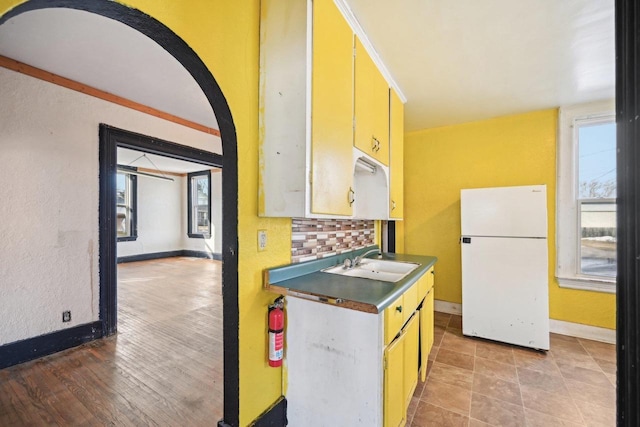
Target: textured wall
<point>49,209</point>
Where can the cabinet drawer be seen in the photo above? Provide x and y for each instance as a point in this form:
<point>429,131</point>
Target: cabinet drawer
<point>425,284</point>
<point>422,286</point>
<point>394,317</point>
<point>430,276</point>
<point>410,302</point>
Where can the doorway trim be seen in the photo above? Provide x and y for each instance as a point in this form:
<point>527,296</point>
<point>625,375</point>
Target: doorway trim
<point>627,23</point>
<point>181,51</point>
<point>110,139</point>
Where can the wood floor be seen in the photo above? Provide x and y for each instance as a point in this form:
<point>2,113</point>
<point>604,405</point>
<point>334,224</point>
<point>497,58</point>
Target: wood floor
<point>164,367</point>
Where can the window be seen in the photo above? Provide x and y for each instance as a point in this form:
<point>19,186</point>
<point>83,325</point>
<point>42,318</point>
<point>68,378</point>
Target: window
<point>126,204</point>
<point>199,201</point>
<point>586,227</point>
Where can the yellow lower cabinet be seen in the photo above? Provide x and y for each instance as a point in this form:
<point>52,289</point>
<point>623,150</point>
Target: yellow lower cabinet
<point>394,318</point>
<point>400,374</point>
<point>394,403</point>
<point>426,332</point>
<point>410,302</point>
<point>410,359</point>
<point>429,278</point>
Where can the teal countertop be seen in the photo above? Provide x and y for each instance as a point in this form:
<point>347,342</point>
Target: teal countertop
<point>305,280</point>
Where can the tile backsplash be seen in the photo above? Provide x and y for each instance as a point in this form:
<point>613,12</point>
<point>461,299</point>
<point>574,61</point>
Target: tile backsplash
<point>318,238</point>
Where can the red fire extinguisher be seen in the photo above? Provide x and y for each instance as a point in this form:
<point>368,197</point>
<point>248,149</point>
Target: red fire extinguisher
<point>276,332</point>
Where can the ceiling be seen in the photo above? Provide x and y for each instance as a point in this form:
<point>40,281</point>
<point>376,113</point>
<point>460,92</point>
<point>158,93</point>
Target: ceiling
<point>88,48</point>
<point>466,60</point>
<point>455,61</point>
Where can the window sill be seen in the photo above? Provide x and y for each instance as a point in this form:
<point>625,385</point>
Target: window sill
<point>588,284</point>
<point>199,236</point>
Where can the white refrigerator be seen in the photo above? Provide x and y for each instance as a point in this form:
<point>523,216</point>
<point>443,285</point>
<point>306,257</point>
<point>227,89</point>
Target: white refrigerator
<point>505,274</point>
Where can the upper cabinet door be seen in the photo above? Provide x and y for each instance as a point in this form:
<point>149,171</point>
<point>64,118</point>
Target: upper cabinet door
<point>396,193</point>
<point>331,111</point>
<point>371,107</point>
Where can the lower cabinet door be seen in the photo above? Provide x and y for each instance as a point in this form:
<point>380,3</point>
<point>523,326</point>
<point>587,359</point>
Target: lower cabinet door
<point>410,359</point>
<point>426,333</point>
<point>394,403</point>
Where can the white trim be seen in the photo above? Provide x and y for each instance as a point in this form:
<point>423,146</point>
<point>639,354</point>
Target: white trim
<point>578,330</point>
<point>561,327</point>
<point>447,307</point>
<point>587,284</point>
<point>566,207</point>
<point>359,31</point>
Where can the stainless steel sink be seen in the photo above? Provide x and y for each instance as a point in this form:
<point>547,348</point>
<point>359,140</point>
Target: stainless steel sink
<point>376,269</point>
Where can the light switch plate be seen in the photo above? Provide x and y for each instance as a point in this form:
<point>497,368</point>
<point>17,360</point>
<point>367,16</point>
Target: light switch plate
<point>262,240</point>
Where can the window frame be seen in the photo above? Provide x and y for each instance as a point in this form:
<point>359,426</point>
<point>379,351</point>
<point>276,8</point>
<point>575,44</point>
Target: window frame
<point>190,224</point>
<point>568,246</point>
<point>133,189</point>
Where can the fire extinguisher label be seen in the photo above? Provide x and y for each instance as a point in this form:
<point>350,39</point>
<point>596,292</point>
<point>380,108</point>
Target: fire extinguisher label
<point>276,341</point>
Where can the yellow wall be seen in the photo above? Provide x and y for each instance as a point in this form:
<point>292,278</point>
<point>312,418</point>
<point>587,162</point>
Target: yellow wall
<point>507,151</point>
<point>225,34</point>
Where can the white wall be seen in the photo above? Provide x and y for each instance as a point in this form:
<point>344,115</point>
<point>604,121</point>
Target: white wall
<point>49,200</point>
<point>163,218</point>
<point>160,217</point>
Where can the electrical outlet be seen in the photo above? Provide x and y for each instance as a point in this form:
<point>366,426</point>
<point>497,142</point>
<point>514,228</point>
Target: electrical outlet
<point>262,240</point>
<point>66,316</point>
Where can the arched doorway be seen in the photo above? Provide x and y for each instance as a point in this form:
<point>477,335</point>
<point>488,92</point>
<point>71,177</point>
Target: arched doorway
<point>176,47</point>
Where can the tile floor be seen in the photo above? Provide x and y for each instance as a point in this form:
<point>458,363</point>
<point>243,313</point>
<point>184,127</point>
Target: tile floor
<point>475,382</point>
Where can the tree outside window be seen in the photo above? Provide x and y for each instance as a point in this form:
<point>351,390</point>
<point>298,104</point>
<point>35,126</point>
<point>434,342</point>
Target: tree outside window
<point>597,198</point>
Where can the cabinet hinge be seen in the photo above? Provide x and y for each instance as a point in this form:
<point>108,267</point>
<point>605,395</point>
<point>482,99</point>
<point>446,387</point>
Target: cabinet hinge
<point>384,363</point>
<point>354,51</point>
<point>310,177</point>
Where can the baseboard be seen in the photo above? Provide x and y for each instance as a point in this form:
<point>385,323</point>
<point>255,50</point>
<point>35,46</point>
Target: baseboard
<point>447,307</point>
<point>202,254</point>
<point>147,257</point>
<point>578,330</point>
<point>44,345</point>
<point>560,327</point>
<point>169,254</point>
<point>275,416</point>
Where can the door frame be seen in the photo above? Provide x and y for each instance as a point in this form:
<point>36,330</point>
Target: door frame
<point>627,22</point>
<point>110,139</point>
<point>180,50</point>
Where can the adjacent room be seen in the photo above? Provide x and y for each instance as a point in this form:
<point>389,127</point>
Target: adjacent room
<point>167,215</point>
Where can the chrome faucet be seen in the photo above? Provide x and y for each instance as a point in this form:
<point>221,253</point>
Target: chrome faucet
<point>358,259</point>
